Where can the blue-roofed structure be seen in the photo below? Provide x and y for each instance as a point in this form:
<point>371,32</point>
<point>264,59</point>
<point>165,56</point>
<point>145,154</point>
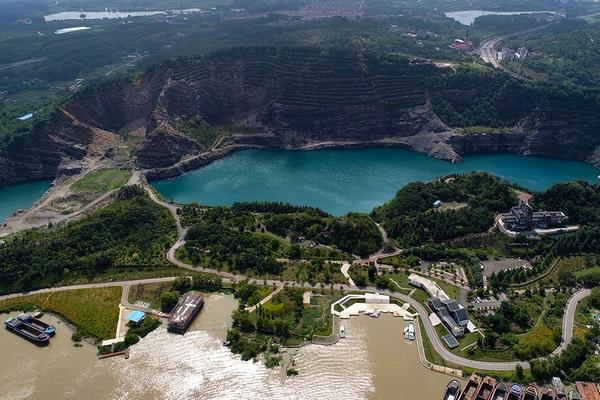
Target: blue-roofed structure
<point>135,317</point>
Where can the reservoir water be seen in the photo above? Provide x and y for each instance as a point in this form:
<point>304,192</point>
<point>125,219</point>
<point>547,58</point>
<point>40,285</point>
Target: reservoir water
<point>339,181</point>
<point>468,17</point>
<point>21,196</point>
<point>373,362</point>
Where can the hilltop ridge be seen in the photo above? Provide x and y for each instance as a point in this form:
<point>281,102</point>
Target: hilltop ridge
<point>186,112</point>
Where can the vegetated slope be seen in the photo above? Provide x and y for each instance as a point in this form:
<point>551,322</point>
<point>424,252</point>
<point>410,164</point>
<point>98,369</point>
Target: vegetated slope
<point>189,111</point>
<point>131,232</point>
<point>411,218</point>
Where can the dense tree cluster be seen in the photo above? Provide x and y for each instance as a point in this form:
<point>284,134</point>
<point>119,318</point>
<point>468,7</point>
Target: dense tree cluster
<point>411,218</point>
<point>126,233</point>
<point>576,362</point>
<point>244,249</point>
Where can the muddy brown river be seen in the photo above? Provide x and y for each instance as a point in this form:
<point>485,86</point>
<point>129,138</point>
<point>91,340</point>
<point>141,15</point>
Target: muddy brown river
<point>374,361</point>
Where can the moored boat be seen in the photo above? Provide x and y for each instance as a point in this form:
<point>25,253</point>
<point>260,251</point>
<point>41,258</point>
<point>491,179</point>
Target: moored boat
<point>573,395</point>
<point>548,393</point>
<point>30,333</point>
<point>515,393</point>
<point>471,388</point>
<point>48,329</point>
<point>501,392</point>
<point>185,311</point>
<point>531,393</point>
<point>452,390</point>
<point>488,384</point>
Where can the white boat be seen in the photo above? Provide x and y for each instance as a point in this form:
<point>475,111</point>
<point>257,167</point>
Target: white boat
<point>342,331</point>
<point>409,331</point>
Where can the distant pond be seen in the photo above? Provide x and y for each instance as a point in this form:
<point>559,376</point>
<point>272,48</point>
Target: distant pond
<point>339,181</point>
<point>468,17</point>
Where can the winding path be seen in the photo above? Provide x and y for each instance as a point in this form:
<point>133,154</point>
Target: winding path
<point>437,344</point>
<point>567,328</point>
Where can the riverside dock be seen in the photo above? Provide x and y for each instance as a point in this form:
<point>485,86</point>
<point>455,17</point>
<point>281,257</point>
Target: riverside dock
<point>185,311</point>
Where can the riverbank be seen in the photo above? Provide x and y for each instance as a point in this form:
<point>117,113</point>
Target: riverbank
<point>373,362</point>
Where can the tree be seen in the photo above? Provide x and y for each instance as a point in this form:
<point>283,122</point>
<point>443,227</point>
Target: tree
<point>519,373</point>
<point>168,300</point>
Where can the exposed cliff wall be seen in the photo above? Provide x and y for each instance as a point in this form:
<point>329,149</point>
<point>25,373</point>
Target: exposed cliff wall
<point>296,98</point>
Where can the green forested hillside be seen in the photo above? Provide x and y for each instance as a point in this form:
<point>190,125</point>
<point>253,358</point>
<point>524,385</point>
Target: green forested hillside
<point>411,218</point>
<point>126,233</point>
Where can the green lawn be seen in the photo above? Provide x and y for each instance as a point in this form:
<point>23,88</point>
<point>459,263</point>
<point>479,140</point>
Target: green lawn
<point>149,292</point>
<point>101,181</point>
<point>93,311</point>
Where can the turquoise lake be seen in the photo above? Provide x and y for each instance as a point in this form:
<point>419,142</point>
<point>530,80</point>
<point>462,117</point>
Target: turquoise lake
<point>339,181</point>
<point>22,195</point>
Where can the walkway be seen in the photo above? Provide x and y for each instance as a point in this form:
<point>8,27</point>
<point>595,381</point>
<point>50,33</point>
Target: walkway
<point>266,299</point>
<point>345,267</point>
<point>438,346</point>
<point>435,340</point>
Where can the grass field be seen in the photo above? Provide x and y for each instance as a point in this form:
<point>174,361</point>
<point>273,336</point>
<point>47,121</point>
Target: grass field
<point>93,311</point>
<point>101,181</point>
<point>149,293</point>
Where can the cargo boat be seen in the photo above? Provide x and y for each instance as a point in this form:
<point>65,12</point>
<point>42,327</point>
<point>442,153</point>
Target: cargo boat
<point>486,388</point>
<point>50,330</point>
<point>452,390</point>
<point>573,395</point>
<point>548,394</point>
<point>185,311</point>
<point>531,393</point>
<point>30,333</point>
<point>501,392</point>
<point>515,393</point>
<point>471,388</point>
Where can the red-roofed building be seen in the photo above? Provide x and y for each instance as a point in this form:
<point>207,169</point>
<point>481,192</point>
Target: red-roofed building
<point>525,197</point>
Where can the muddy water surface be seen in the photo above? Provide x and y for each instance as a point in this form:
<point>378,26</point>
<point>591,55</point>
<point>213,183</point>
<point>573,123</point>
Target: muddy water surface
<point>373,362</point>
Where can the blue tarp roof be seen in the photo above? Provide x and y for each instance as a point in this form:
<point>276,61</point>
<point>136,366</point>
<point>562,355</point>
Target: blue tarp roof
<point>136,316</point>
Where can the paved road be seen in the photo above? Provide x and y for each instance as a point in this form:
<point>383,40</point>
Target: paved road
<point>569,318</point>
<point>89,286</point>
<point>434,338</point>
<point>436,342</point>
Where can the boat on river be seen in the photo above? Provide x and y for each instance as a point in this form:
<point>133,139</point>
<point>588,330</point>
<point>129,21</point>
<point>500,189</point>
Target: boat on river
<point>30,333</point>
<point>488,384</point>
<point>501,392</point>
<point>409,331</point>
<point>452,390</point>
<point>531,393</point>
<point>48,329</point>
<point>515,393</point>
<point>471,388</point>
<point>573,395</point>
<point>548,393</point>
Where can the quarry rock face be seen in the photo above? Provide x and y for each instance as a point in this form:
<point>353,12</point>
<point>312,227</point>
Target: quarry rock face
<point>266,98</point>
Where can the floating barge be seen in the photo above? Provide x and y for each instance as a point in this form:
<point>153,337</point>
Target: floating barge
<point>452,390</point>
<point>516,392</point>
<point>27,331</point>
<point>471,388</point>
<point>501,392</point>
<point>185,311</point>
<point>50,330</point>
<point>548,394</point>
<point>486,388</point>
<point>531,393</point>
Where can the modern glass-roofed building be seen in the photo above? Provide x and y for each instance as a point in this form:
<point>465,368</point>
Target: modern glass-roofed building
<point>453,315</point>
